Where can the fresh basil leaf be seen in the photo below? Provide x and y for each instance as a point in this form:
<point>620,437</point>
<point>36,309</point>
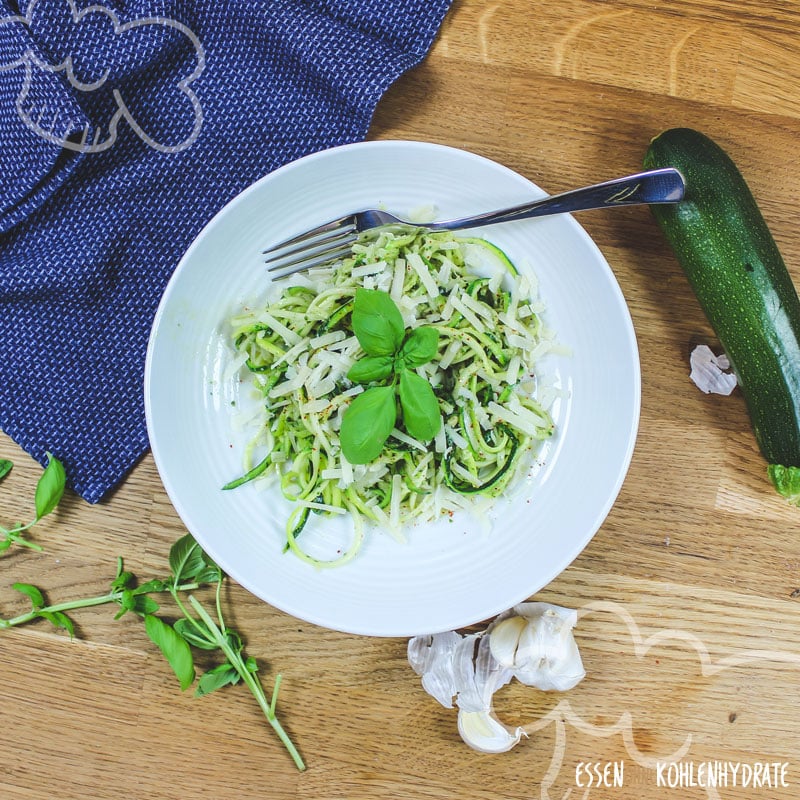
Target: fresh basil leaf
<point>173,647</point>
<point>377,322</point>
<point>367,423</point>
<point>421,415</point>
<point>420,346</point>
<point>188,631</point>
<point>222,675</point>
<point>186,558</point>
<point>59,620</point>
<point>33,593</point>
<point>136,599</point>
<point>122,581</point>
<point>211,573</point>
<point>144,605</point>
<point>234,640</point>
<point>251,665</point>
<point>371,368</point>
<point>50,487</point>
<point>64,622</point>
<point>154,585</point>
<point>127,600</point>
<point>5,467</point>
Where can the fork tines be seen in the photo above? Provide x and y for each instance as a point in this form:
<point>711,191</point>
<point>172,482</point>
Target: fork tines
<point>318,246</point>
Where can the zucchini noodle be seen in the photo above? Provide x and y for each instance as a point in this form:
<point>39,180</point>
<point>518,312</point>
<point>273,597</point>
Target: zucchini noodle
<point>299,348</point>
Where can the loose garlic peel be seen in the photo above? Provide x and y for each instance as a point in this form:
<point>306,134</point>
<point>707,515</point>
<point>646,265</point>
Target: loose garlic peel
<point>709,372</point>
<point>532,642</point>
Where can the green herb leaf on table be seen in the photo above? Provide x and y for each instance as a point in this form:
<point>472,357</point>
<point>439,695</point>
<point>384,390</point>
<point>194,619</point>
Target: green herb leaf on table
<point>123,580</point>
<point>421,415</point>
<point>143,604</point>
<point>377,322</point>
<point>33,593</point>
<point>186,559</point>
<point>155,585</point>
<point>173,647</point>
<point>49,491</point>
<point>59,620</point>
<point>50,487</point>
<point>137,602</point>
<point>194,634</point>
<point>191,568</point>
<point>213,679</point>
<point>126,603</point>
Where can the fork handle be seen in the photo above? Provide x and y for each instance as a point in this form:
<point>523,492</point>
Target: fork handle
<point>653,186</point>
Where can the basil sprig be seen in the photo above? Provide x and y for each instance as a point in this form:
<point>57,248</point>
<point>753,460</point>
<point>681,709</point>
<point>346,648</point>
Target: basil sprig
<point>196,627</point>
<point>390,358</point>
<point>49,490</point>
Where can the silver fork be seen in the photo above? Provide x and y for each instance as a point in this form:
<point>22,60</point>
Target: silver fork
<point>334,239</point>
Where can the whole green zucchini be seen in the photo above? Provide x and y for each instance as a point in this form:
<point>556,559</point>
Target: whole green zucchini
<point>734,267</point>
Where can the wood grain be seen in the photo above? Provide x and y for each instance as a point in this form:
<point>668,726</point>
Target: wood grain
<point>689,594</point>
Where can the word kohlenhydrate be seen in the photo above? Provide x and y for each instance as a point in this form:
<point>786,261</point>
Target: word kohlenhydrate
<point>722,774</point>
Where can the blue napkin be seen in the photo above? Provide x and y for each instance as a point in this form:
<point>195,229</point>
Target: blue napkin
<point>124,127</point>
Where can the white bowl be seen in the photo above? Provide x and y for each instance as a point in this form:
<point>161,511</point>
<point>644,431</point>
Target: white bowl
<point>449,574</point>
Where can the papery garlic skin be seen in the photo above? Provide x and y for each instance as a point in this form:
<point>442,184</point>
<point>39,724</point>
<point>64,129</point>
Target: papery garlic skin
<point>478,675</point>
<point>456,666</point>
<point>431,657</point>
<point>484,732</point>
<point>708,371</point>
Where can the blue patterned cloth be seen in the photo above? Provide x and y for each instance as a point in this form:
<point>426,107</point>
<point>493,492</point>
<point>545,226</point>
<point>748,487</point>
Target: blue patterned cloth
<point>124,127</point>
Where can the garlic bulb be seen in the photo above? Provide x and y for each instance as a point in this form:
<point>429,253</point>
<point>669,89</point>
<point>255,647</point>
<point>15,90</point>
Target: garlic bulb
<point>532,642</point>
<point>537,645</point>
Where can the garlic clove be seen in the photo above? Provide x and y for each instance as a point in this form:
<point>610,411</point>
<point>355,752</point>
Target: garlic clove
<point>504,640</point>
<point>541,640</point>
<point>484,732</point>
<point>547,654</point>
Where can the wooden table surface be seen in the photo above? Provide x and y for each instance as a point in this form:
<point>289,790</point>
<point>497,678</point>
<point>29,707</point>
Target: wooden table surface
<point>689,594</point>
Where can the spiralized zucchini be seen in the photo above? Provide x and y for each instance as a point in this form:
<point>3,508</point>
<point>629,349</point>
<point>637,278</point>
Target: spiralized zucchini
<point>299,349</point>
